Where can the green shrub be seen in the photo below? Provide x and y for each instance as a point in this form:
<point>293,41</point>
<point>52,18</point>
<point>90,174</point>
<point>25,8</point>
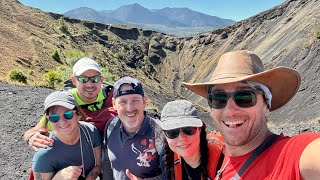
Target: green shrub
<point>53,78</point>
<point>18,75</point>
<point>108,77</point>
<point>63,26</point>
<point>55,56</point>
<point>64,71</point>
<point>30,72</point>
<point>117,56</point>
<point>73,55</point>
<point>318,35</point>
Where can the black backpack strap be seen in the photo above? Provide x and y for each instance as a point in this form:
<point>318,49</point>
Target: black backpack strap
<point>221,158</point>
<point>68,84</point>
<point>259,150</point>
<point>108,129</point>
<point>106,89</point>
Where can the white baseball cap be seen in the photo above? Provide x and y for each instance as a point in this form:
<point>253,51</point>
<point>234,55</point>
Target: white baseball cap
<point>85,64</point>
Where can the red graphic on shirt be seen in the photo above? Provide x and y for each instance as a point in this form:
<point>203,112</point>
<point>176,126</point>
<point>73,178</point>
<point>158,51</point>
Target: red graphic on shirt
<point>147,154</point>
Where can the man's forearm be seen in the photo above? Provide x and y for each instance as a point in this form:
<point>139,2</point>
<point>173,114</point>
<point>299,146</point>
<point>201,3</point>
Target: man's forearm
<point>28,134</point>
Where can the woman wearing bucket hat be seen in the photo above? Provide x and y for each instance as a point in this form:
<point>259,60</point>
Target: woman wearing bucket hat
<point>76,151</point>
<point>241,95</point>
<point>187,153</point>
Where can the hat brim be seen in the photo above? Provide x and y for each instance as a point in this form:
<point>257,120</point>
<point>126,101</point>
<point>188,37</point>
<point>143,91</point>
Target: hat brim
<point>79,72</point>
<point>174,123</point>
<point>60,103</point>
<point>283,83</point>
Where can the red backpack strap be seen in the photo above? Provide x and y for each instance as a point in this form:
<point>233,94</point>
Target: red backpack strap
<point>31,176</point>
<point>177,167</point>
<point>215,156</point>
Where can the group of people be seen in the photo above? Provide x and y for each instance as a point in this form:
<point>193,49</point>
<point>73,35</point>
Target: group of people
<point>98,130</point>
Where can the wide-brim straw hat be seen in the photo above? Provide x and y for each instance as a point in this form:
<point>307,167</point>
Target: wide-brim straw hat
<point>244,65</point>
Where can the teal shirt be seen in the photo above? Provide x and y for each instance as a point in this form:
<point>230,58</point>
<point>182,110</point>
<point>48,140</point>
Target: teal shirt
<point>60,155</point>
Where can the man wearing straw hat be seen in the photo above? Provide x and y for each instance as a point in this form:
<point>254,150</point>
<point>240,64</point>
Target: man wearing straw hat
<point>241,94</point>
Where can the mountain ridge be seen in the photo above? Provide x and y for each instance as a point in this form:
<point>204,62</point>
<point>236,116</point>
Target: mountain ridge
<point>142,17</point>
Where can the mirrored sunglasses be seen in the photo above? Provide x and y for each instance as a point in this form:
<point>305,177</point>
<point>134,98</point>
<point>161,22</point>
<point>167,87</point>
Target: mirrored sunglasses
<point>85,79</point>
<point>174,133</point>
<point>68,115</point>
<point>242,98</point>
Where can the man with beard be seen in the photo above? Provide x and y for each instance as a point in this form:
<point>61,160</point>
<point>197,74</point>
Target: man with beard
<point>241,94</point>
<point>93,98</point>
<point>132,139</point>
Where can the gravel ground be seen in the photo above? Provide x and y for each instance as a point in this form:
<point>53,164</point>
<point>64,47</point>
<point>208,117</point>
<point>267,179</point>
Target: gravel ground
<point>21,108</point>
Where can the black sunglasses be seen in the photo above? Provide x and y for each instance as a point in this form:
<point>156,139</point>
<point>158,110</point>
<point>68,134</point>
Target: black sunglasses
<point>85,79</point>
<point>242,98</point>
<point>68,115</point>
<point>174,133</point>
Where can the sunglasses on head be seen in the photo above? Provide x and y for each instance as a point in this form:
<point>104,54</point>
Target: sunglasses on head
<point>242,98</point>
<point>68,115</point>
<point>174,133</point>
<point>85,79</point>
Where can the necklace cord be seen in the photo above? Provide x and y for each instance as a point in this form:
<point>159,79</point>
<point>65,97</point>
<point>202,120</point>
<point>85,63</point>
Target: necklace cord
<point>86,133</point>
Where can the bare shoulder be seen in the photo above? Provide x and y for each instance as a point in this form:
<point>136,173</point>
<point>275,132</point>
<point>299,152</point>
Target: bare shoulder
<point>309,161</point>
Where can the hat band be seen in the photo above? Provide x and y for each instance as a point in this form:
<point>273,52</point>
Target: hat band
<point>266,91</point>
<point>131,91</point>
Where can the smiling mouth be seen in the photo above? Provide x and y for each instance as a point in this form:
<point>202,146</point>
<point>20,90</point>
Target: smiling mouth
<point>184,146</point>
<point>233,124</point>
<point>89,90</point>
<point>65,127</point>
<point>131,114</point>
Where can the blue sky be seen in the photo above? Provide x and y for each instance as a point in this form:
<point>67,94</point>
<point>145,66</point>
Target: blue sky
<point>228,9</point>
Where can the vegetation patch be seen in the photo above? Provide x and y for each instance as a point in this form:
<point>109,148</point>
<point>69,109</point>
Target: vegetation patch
<point>18,75</point>
<point>73,55</point>
<point>318,34</point>
<point>52,78</point>
<point>63,26</point>
<point>55,56</point>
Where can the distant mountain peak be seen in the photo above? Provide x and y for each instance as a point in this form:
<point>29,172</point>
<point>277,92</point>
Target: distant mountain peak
<point>158,20</point>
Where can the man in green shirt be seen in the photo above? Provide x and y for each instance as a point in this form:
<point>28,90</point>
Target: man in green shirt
<point>94,100</point>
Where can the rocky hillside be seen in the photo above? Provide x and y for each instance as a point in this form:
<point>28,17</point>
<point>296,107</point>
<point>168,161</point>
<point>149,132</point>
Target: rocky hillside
<point>29,37</point>
<point>286,35</point>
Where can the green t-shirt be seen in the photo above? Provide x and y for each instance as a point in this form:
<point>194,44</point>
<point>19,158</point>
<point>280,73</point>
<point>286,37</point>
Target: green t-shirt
<point>97,104</point>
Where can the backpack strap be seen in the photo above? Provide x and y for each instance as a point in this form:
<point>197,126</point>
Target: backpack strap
<point>108,129</point>
<point>259,150</point>
<point>106,89</point>
<point>158,138</point>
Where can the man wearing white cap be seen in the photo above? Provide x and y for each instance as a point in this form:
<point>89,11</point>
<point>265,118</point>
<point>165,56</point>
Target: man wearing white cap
<point>92,96</point>
<point>241,94</point>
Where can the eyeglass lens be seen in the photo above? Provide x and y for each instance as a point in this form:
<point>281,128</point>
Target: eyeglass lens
<point>68,115</point>
<point>85,79</point>
<point>174,133</point>
<point>243,98</point>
